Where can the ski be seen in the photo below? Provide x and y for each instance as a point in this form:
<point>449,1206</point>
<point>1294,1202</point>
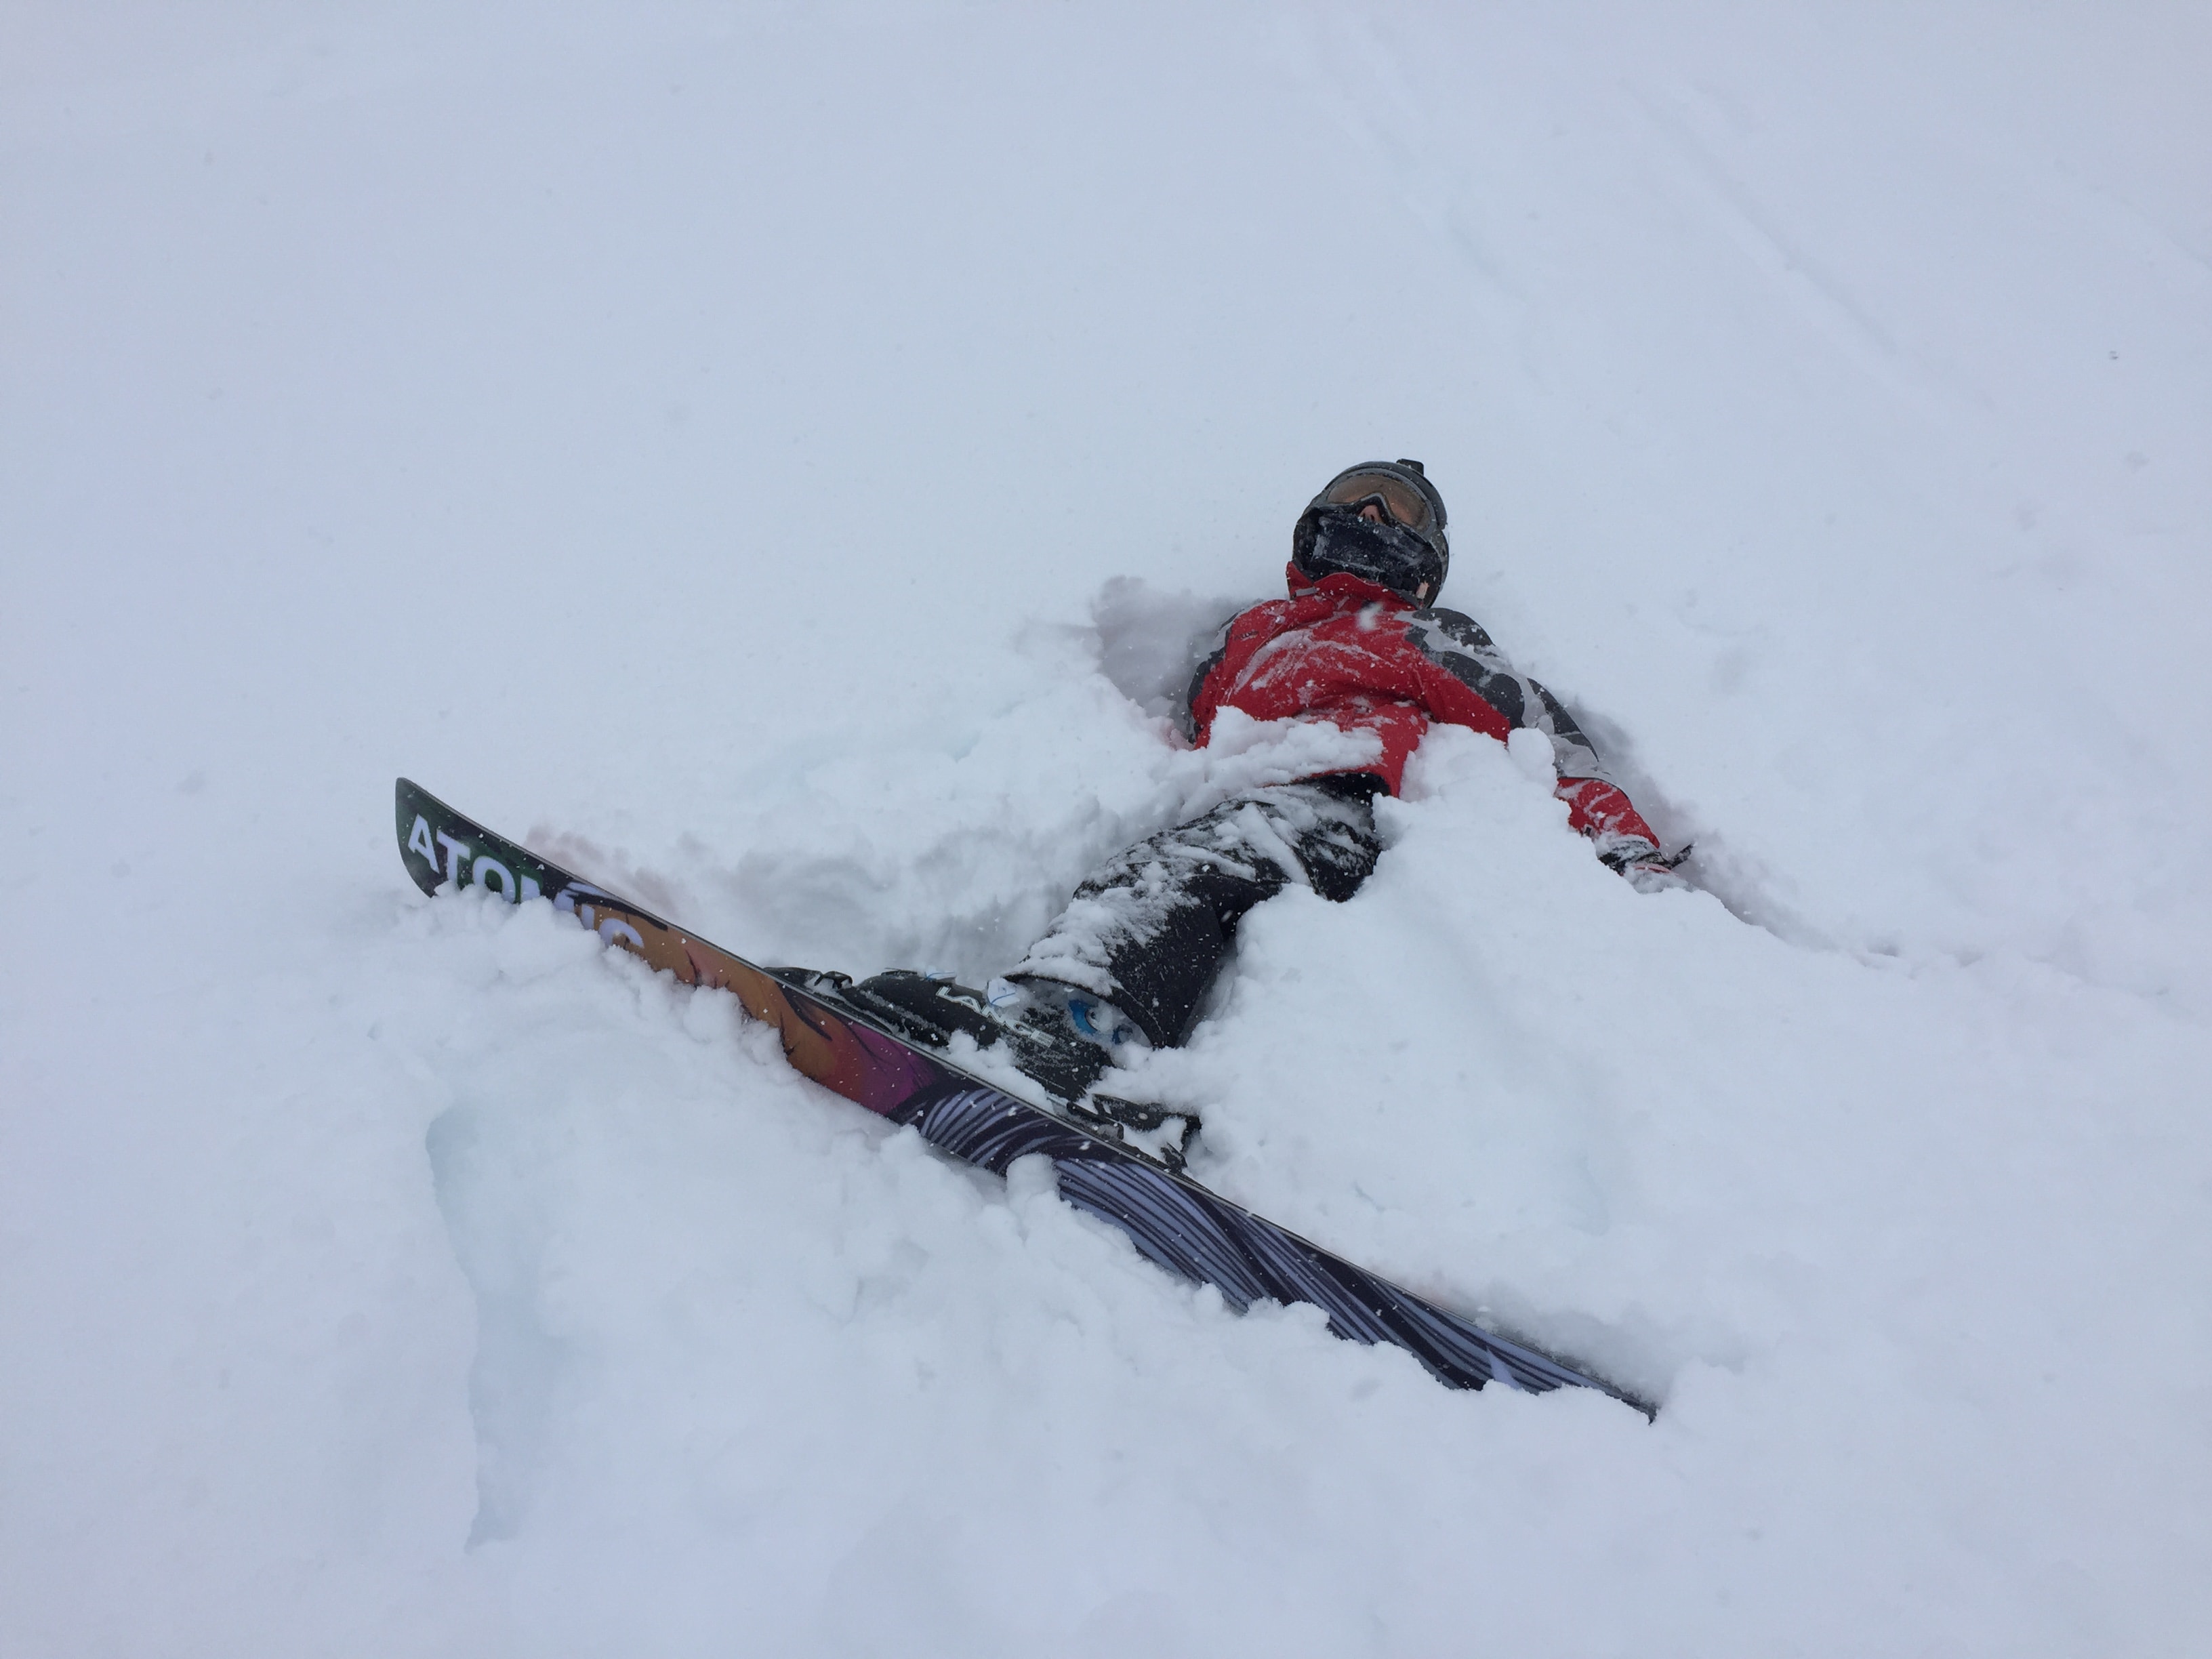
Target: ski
<point>1172,1220</point>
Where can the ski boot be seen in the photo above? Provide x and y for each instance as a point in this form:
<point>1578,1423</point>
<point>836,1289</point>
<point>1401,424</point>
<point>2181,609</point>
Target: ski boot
<point>1062,1039</point>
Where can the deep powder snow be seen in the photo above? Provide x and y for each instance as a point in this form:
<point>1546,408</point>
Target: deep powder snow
<point>781,465</point>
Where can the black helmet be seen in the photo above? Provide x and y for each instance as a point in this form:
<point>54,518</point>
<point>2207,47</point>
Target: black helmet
<point>1406,553</point>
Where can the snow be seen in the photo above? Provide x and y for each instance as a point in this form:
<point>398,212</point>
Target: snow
<point>779,462</point>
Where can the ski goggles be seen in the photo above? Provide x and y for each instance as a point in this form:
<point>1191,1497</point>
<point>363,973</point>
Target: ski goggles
<point>1405,505</point>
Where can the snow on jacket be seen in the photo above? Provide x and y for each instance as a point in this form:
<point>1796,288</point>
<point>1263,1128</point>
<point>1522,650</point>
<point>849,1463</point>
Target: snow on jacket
<point>1355,655</point>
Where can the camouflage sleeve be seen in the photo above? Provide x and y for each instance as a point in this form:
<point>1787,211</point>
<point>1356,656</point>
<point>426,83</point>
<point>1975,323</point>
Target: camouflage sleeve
<point>1596,806</point>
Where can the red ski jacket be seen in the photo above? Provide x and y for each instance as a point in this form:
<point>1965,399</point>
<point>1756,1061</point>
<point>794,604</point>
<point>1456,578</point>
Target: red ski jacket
<point>1353,654</point>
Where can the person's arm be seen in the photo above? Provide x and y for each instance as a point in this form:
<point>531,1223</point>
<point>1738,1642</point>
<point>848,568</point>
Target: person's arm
<point>1199,701</point>
<point>1596,806</point>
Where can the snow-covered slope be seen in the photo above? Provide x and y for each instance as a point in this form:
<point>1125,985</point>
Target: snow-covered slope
<point>775,461</point>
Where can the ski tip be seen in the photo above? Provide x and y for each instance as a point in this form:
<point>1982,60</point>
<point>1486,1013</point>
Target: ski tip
<point>416,851</point>
<point>407,793</point>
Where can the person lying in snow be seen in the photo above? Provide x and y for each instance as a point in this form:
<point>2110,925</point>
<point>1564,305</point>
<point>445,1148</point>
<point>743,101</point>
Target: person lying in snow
<point>1359,645</point>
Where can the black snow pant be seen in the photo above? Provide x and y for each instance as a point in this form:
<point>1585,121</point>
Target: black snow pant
<point>1151,928</point>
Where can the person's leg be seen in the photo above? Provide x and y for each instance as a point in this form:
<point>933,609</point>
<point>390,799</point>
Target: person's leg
<point>1148,931</point>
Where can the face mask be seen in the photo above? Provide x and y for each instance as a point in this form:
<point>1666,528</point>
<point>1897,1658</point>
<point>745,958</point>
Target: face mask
<point>1334,538</point>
